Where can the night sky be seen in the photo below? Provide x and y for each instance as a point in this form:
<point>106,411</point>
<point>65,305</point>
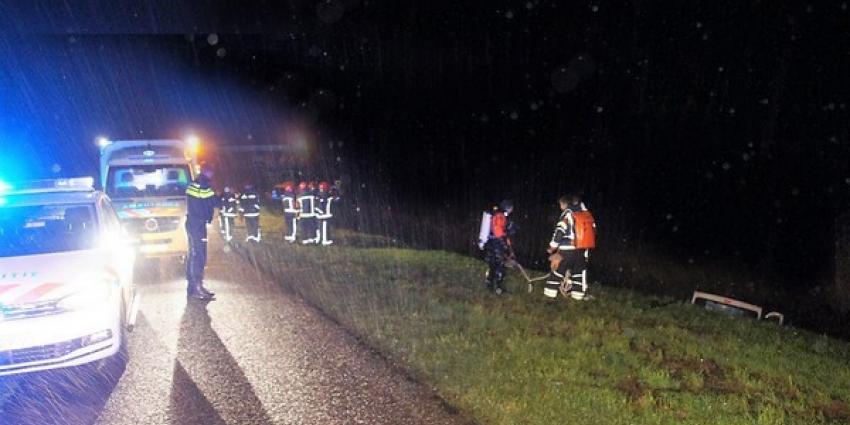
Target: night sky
<point>708,130</point>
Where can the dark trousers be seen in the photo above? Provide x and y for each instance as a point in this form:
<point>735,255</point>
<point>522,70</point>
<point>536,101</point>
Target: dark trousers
<point>196,258</point>
<point>308,229</point>
<point>252,228</point>
<point>494,255</point>
<point>325,231</point>
<point>291,226</point>
<point>574,263</point>
<point>227,229</point>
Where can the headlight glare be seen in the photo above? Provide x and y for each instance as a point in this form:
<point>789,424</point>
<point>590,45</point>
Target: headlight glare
<point>93,293</point>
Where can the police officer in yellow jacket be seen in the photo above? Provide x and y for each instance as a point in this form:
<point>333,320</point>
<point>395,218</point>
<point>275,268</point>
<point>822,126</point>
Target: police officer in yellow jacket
<point>200,205</point>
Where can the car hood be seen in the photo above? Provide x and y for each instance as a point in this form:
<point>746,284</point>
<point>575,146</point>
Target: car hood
<point>35,279</point>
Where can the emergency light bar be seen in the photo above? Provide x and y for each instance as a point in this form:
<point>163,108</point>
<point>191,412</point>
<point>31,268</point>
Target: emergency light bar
<point>77,184</point>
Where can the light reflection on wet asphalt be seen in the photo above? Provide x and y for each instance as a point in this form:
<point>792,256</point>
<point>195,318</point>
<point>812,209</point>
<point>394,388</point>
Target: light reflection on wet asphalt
<point>256,355</point>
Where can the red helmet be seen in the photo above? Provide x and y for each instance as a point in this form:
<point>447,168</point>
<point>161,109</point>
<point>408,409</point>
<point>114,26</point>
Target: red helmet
<point>302,186</point>
<point>324,186</point>
<point>288,186</point>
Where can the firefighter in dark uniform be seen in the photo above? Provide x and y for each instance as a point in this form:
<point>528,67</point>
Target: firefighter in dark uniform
<point>228,212</point>
<point>307,213</point>
<point>200,205</point>
<point>565,259</point>
<point>249,206</point>
<point>290,212</point>
<point>326,199</point>
<point>497,249</point>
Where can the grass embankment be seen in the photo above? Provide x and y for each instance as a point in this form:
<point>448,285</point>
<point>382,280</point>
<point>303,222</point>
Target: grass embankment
<point>622,358</point>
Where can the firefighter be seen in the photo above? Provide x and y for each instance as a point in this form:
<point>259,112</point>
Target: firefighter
<point>249,207</point>
<point>290,212</point>
<point>326,199</point>
<point>307,213</point>
<point>569,249</point>
<point>200,205</point>
<point>496,243</point>
<point>228,212</point>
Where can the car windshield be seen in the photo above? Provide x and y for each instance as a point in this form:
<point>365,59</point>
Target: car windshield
<point>147,180</point>
<point>44,229</point>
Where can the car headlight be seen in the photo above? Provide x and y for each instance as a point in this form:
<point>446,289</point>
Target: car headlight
<point>90,293</point>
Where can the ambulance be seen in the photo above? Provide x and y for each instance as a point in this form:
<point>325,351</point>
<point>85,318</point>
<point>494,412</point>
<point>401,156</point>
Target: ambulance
<point>67,296</point>
<point>147,180</point>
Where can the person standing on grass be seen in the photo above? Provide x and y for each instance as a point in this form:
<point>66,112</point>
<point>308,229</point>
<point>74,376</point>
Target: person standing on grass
<point>569,249</point>
<point>227,212</point>
<point>249,206</point>
<point>325,200</point>
<point>495,240</point>
<point>307,214</point>
<point>290,212</point>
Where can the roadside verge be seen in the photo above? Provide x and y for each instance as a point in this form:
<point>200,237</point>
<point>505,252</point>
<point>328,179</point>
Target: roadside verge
<point>622,358</point>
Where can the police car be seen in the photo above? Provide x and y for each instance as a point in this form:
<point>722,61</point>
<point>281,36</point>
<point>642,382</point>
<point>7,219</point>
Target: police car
<point>66,276</point>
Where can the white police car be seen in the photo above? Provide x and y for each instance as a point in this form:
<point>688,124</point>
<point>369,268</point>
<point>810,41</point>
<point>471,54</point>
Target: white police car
<point>66,276</point>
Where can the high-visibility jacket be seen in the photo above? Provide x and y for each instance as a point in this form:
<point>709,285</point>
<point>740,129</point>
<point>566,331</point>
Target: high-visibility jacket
<point>289,204</point>
<point>307,204</point>
<point>200,201</point>
<point>325,207</point>
<point>229,204</point>
<point>249,204</point>
<point>564,236</point>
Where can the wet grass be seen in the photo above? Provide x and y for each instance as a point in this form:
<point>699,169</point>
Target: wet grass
<point>622,358</point>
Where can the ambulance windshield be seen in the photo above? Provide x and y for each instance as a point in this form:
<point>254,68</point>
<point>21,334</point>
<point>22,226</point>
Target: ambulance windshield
<point>139,181</point>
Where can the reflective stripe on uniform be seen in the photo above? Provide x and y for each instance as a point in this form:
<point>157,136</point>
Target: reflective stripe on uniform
<point>194,190</point>
<point>251,215</point>
<point>551,293</point>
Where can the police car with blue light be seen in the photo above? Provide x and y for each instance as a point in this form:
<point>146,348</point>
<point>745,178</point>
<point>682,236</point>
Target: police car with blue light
<point>67,296</point>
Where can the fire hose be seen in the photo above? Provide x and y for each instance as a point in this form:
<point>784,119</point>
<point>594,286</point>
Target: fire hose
<point>512,263</point>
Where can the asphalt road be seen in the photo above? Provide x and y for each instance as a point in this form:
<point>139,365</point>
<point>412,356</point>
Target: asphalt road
<point>256,355</point>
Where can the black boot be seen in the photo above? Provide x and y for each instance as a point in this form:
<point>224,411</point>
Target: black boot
<point>204,290</point>
<point>195,292</point>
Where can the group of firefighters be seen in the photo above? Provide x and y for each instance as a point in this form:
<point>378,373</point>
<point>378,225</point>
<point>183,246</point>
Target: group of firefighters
<point>569,248</point>
<point>307,210</point>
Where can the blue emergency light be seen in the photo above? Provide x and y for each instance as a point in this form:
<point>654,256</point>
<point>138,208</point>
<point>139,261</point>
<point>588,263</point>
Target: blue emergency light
<point>53,185</point>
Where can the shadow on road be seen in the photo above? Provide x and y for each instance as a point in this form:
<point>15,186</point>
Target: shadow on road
<point>208,384</point>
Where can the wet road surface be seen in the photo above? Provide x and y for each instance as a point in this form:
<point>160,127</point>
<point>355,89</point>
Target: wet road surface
<point>256,355</point>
